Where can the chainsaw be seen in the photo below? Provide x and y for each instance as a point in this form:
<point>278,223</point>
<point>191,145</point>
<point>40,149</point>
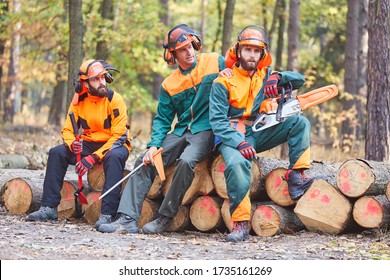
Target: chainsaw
<point>275,110</point>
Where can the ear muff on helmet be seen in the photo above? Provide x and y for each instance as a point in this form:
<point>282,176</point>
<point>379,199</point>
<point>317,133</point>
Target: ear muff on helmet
<point>92,68</point>
<point>178,37</point>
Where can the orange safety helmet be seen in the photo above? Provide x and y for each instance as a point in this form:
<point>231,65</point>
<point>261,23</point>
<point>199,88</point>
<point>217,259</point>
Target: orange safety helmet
<point>252,35</point>
<point>178,37</point>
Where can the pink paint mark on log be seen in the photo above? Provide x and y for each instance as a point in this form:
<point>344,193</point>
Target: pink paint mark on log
<point>315,193</point>
<point>25,187</point>
<point>363,175</point>
<point>278,182</point>
<point>285,192</point>
<point>346,187</point>
<point>372,208</point>
<point>207,205</point>
<point>345,173</point>
<point>271,175</point>
<point>325,198</point>
<point>95,196</point>
<point>221,167</point>
<point>266,211</point>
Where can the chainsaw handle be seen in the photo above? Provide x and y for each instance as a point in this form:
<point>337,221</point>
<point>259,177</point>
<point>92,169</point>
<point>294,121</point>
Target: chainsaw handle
<point>259,121</point>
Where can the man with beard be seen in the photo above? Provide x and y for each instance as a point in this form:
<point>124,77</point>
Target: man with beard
<point>102,115</point>
<point>234,104</point>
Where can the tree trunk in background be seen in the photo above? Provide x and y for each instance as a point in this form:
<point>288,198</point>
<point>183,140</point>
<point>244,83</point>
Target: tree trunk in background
<point>227,26</point>
<point>348,132</point>
<point>165,19</point>
<point>282,27</point>
<point>203,22</point>
<point>378,99</point>
<point>12,91</point>
<point>264,11</point>
<point>75,44</point>
<point>362,68</point>
<point>292,51</point>
<point>3,13</point>
<point>106,12</point>
<point>219,29</point>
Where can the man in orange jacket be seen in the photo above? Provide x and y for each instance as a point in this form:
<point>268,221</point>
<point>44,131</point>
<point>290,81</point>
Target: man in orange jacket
<point>102,115</point>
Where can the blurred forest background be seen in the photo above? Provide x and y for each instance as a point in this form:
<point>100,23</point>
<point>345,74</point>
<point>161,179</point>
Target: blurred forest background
<point>43,43</point>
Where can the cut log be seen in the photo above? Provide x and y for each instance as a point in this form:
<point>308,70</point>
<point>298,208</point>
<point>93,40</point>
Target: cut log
<point>182,220</point>
<point>217,174</point>
<point>149,211</point>
<point>202,183</point>
<point>205,214</point>
<point>157,188</point>
<point>92,210</point>
<point>372,212</point>
<point>270,219</point>
<point>67,207</point>
<point>323,208</point>
<point>388,191</point>
<point>357,177</point>
<point>22,195</point>
<point>96,177</point>
<point>13,161</point>
<point>277,188</point>
<point>227,218</point>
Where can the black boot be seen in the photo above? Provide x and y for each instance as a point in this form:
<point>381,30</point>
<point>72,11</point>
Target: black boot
<point>297,183</point>
<point>158,225</point>
<point>240,232</point>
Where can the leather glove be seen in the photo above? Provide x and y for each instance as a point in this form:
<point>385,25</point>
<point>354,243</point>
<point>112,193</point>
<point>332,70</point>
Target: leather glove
<point>85,164</point>
<point>247,150</point>
<point>77,147</point>
<point>271,86</point>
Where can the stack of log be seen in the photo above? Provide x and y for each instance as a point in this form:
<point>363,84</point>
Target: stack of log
<point>344,197</point>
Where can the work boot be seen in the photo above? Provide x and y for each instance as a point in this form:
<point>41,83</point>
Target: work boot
<point>158,225</point>
<point>240,232</point>
<point>297,183</point>
<point>103,219</point>
<point>44,213</point>
<point>123,223</point>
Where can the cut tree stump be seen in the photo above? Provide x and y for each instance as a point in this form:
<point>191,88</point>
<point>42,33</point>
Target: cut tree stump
<point>182,220</point>
<point>22,195</point>
<point>149,211</point>
<point>217,174</point>
<point>323,208</point>
<point>205,214</point>
<point>372,212</point>
<point>357,177</point>
<point>270,219</point>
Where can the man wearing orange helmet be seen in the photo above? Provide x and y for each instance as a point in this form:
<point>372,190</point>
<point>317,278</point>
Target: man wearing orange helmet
<point>183,94</point>
<point>234,105</point>
<point>102,115</point>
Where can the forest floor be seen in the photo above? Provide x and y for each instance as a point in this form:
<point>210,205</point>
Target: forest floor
<point>74,239</point>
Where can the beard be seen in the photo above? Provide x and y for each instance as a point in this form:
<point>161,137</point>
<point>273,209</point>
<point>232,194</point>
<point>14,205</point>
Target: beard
<point>101,91</point>
<point>249,65</point>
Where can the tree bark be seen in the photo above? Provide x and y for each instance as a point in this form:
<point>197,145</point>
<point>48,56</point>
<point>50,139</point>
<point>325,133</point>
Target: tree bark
<point>357,177</point>
<point>372,212</point>
<point>227,25</point>
<point>13,161</point>
<point>205,214</point>
<point>269,219</point>
<point>378,109</point>
<point>323,208</point>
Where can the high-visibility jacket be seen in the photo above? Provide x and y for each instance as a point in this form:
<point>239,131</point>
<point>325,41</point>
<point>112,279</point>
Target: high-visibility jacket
<point>185,95</point>
<point>102,120</point>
